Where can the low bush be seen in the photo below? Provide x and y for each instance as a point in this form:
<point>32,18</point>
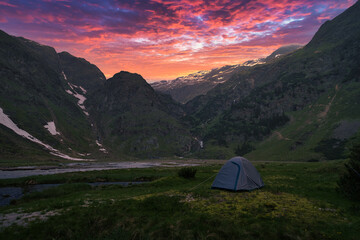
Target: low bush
<point>187,172</point>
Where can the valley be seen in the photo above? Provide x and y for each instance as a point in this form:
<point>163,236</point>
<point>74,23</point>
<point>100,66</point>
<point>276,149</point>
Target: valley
<point>88,155</point>
<point>125,118</point>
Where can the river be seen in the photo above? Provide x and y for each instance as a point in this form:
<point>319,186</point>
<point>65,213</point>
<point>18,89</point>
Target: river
<point>6,173</point>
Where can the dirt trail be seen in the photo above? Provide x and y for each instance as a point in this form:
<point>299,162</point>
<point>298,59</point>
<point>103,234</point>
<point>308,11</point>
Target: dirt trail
<point>280,136</point>
<point>328,106</point>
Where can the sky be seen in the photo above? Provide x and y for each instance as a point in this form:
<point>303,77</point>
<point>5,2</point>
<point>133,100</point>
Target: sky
<point>165,39</point>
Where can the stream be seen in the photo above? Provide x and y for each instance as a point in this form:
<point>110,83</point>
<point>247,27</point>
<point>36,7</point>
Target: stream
<point>17,172</point>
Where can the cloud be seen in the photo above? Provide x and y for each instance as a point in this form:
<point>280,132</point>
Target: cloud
<point>162,39</point>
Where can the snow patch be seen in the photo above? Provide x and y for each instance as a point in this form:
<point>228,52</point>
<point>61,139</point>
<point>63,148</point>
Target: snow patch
<point>81,98</point>
<point>7,122</point>
<point>71,86</point>
<point>191,78</point>
<point>84,154</point>
<point>102,149</point>
<point>99,144</point>
<point>50,126</point>
<point>251,63</point>
<point>81,101</point>
<point>83,89</point>
<point>64,156</point>
<point>64,75</point>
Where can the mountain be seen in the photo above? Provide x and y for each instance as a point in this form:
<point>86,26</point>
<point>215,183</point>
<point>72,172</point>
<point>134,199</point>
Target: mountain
<point>311,81</point>
<point>184,89</point>
<point>38,115</point>
<point>57,105</point>
<point>133,119</point>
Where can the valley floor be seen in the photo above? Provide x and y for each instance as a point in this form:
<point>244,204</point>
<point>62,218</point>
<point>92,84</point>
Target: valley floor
<point>299,201</point>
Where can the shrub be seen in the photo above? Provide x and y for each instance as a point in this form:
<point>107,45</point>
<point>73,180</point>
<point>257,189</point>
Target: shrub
<point>332,148</point>
<point>187,172</point>
<point>349,182</point>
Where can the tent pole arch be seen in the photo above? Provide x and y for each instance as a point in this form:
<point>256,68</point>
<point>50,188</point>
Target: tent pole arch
<point>237,174</point>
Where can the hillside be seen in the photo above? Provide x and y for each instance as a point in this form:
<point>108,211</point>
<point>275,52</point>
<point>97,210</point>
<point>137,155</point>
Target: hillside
<point>250,105</point>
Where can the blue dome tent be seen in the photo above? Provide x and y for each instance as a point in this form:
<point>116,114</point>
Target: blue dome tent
<point>238,174</point>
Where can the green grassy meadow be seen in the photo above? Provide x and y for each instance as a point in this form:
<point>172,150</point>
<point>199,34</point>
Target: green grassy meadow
<point>299,201</point>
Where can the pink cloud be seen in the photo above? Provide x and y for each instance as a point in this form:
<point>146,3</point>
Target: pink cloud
<point>4,3</point>
<point>162,39</point>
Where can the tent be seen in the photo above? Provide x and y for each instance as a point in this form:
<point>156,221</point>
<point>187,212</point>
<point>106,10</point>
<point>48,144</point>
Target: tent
<point>238,174</point>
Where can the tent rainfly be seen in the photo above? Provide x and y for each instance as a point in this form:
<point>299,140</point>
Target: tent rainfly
<point>238,174</point>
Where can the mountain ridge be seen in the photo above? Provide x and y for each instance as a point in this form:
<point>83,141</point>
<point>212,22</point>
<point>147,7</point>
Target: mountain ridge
<point>185,88</point>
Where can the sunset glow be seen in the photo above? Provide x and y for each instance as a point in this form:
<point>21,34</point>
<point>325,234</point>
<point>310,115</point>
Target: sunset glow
<point>165,39</point>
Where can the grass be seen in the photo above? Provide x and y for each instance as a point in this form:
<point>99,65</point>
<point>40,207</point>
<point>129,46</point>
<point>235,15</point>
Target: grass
<point>146,174</point>
<point>299,138</point>
<point>299,201</point>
